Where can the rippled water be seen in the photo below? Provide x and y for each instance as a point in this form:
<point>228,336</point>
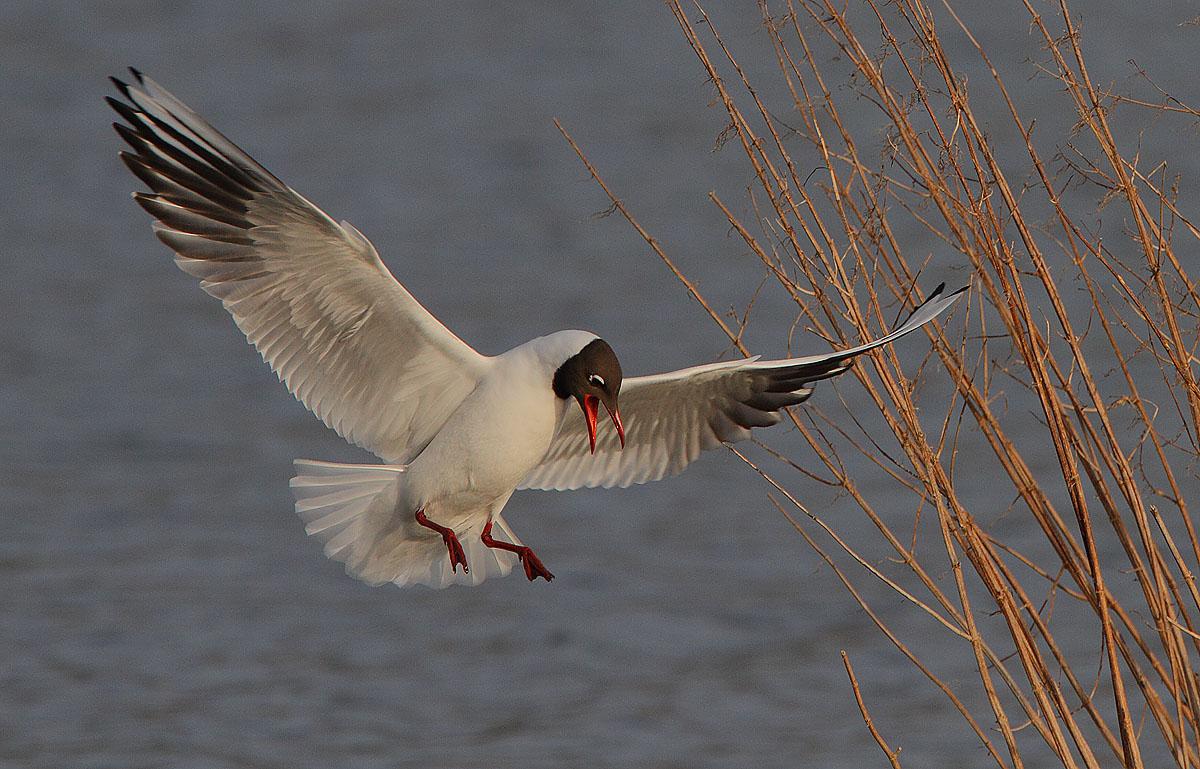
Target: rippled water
<point>161,605</point>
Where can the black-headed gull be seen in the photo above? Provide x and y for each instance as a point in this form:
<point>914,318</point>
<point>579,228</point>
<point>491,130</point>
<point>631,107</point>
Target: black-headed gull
<point>459,431</point>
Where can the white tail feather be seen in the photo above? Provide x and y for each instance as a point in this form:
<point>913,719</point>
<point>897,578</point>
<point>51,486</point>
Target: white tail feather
<point>353,510</point>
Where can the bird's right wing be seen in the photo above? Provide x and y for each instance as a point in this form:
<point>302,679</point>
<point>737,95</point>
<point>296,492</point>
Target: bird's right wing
<point>311,295</point>
<point>671,418</point>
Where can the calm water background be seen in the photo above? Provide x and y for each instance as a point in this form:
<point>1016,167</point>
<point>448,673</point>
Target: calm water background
<point>160,603</point>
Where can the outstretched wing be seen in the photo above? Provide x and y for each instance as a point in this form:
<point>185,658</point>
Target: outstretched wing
<point>671,418</point>
<point>311,295</point>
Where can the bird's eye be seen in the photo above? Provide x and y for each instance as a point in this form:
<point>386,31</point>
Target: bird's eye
<point>596,379</point>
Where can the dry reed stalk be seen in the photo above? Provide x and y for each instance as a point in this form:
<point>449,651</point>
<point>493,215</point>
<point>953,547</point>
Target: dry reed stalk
<point>893,755</point>
<point>1106,354</point>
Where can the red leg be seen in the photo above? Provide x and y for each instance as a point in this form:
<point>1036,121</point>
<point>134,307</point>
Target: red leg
<point>453,546</point>
<point>531,563</point>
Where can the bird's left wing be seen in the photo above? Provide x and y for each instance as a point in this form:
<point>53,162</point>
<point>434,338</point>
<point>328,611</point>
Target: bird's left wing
<point>670,418</point>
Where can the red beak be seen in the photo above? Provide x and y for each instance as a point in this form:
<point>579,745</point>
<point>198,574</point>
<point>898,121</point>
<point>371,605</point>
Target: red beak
<point>591,408</point>
<point>615,414</point>
<point>590,404</point>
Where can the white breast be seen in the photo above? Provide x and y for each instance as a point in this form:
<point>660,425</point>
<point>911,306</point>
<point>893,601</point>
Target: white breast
<point>498,435</point>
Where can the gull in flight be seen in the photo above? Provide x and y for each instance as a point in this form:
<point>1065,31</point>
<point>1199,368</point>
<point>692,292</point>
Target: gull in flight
<point>459,431</point>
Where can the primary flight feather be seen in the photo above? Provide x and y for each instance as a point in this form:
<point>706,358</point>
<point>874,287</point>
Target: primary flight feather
<point>459,431</point>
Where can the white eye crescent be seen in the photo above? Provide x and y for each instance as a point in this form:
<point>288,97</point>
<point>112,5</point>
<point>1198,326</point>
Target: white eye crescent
<point>596,379</point>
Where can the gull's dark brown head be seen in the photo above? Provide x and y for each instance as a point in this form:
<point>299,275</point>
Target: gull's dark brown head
<point>592,376</point>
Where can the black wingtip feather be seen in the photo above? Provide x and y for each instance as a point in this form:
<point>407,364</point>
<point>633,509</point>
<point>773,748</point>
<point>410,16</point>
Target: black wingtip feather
<point>123,87</point>
<point>225,169</point>
<point>127,112</point>
<point>125,132</point>
<point>934,295</point>
<point>148,167</point>
<point>140,168</point>
<point>217,173</point>
<point>137,73</point>
<point>214,167</point>
<point>130,137</point>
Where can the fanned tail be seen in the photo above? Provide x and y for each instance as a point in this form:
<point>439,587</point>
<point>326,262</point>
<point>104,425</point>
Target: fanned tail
<point>353,510</point>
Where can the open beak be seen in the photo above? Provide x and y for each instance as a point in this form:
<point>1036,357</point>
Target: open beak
<point>615,414</point>
<point>590,405</point>
<point>591,408</point>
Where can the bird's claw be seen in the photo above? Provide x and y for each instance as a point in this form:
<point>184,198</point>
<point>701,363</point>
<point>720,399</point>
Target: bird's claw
<point>453,546</point>
<point>529,562</point>
<point>457,554</point>
<point>533,566</point>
